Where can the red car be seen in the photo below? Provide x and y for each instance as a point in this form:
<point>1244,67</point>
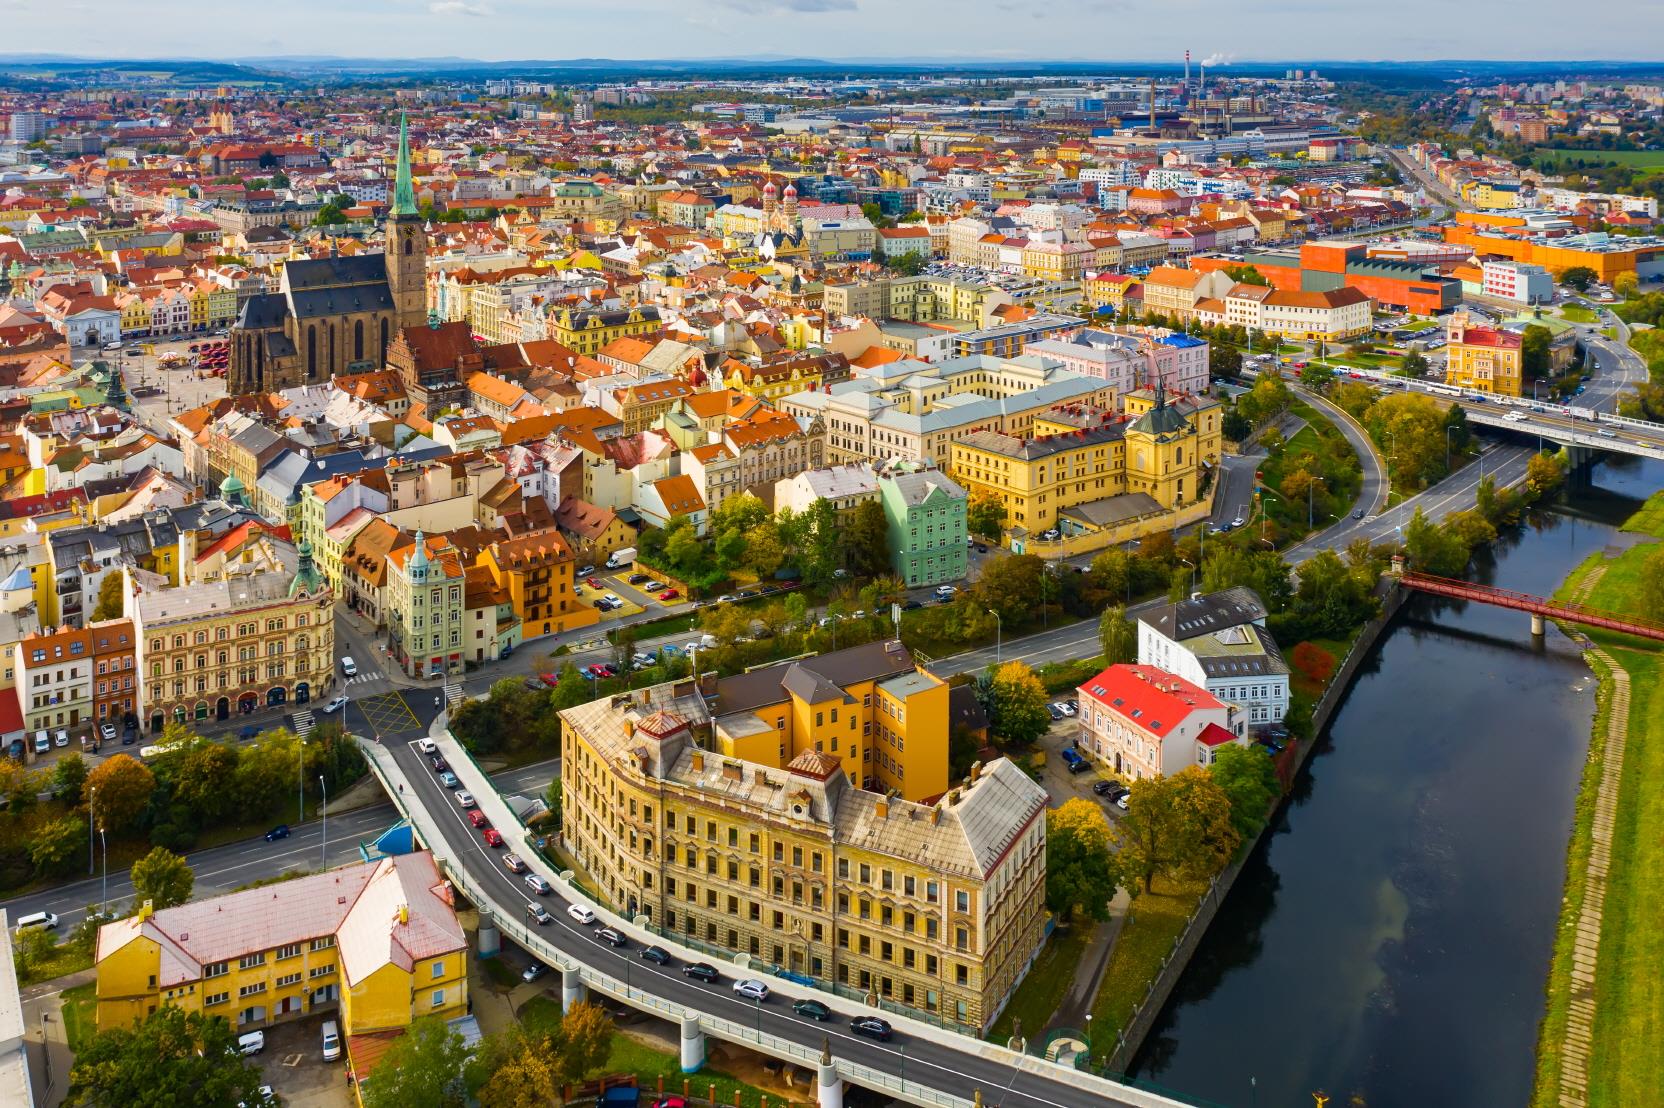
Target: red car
<point>549,679</point>
<point>477,818</point>
<point>670,1102</point>
<point>593,582</point>
<point>492,836</point>
<point>669,594</point>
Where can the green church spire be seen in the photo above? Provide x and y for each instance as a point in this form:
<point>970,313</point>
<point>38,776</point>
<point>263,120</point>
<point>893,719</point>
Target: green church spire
<point>404,193</point>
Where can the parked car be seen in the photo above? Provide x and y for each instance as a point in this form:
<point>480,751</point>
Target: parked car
<point>652,586</point>
<point>335,705</point>
<point>465,800</point>
<point>584,571</point>
<point>669,594</point>
<point>439,764</point>
<point>611,937</point>
<point>658,955</point>
<point>945,592</point>
<point>1108,788</point>
<point>513,864</point>
<point>813,1010</point>
<point>593,582</point>
<point>751,989</point>
<point>534,971</point>
<point>426,746</point>
<point>702,971</point>
<point>872,1027</point>
<point>638,578</point>
<point>670,1102</point>
<point>60,738</point>
<point>251,1043</point>
<point>535,883</point>
<point>281,831</point>
<point>449,780</point>
<point>1055,712</point>
<point>1074,762</point>
<point>492,837</point>
<point>581,914</point>
<point>478,818</point>
<point>107,732</point>
<point>538,914</point>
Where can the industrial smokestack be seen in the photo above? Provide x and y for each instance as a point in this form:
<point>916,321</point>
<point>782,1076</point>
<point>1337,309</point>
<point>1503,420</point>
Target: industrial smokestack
<point>1152,103</point>
<point>1187,72</point>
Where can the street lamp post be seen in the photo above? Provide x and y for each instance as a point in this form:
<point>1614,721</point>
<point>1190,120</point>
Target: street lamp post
<point>300,781</point>
<point>92,798</point>
<point>1447,432</point>
<point>999,634</point>
<point>323,810</point>
<point>104,881</point>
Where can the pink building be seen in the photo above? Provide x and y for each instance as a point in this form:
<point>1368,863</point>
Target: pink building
<point>1144,722</point>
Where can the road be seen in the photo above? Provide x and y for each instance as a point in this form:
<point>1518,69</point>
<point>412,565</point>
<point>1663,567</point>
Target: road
<point>219,869</point>
<point>946,1063</point>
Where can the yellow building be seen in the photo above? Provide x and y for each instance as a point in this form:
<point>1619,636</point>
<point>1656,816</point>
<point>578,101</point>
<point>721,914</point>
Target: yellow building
<point>938,908</point>
<point>379,940</point>
<point>1086,468</point>
<point>588,331</point>
<point>1483,359</point>
<point>235,644</point>
<point>882,717</point>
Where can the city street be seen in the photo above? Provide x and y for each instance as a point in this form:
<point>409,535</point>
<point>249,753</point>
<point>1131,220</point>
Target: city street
<point>220,869</point>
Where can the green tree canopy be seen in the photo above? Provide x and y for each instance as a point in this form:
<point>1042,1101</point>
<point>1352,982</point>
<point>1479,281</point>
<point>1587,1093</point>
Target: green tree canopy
<point>1079,875</point>
<point>172,1058</point>
<point>119,789</point>
<point>163,878</point>
<point>1178,827</point>
<point>421,1069</point>
<point>1019,704</point>
<point>1249,780</point>
<point>1118,636</point>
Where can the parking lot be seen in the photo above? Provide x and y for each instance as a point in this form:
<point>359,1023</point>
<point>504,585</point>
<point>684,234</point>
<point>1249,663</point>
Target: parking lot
<point>1059,783</point>
<point>292,1064</point>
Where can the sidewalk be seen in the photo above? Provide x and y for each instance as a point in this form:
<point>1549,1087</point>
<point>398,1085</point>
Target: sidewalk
<point>44,1039</point>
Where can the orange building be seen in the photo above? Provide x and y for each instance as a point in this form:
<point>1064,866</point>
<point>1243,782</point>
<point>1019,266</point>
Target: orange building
<point>115,676</point>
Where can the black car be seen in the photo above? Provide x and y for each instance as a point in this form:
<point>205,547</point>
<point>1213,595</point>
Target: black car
<point>611,937</point>
<point>658,955</point>
<point>872,1027</point>
<point>440,765</point>
<point>911,605</point>
<point>128,738</point>
<point>639,578</point>
<point>702,971</point>
<point>812,1009</point>
<point>1112,789</point>
<point>281,831</point>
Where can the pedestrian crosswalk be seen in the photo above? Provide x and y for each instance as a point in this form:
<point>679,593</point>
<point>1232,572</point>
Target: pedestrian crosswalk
<point>365,677</point>
<point>303,723</point>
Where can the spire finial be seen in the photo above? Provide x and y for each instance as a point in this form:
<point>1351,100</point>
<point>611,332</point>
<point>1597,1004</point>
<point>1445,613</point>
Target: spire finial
<point>404,193</point>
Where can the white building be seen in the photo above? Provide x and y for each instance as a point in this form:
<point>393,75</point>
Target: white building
<point>1518,281</point>
<point>1219,642</point>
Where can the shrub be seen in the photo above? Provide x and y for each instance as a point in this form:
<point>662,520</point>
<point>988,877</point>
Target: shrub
<point>1314,663</point>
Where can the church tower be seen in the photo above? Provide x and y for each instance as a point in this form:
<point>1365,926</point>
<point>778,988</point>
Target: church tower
<point>407,245</point>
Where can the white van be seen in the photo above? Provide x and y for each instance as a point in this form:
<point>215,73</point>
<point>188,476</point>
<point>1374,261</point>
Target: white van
<point>252,1043</point>
<point>332,1041</point>
<point>43,742</point>
<point>38,921</point>
<point>349,667</point>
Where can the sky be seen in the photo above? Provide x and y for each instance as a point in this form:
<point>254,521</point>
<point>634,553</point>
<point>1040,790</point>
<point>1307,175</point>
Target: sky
<point>1126,30</point>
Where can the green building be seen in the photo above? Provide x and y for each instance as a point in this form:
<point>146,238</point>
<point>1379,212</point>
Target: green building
<point>925,510</point>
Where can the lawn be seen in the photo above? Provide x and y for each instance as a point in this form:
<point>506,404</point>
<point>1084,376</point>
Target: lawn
<point>1547,158</point>
<point>648,1064</point>
<point>1045,986</point>
<point>64,959</point>
<point>1156,921</point>
<point>80,1015</point>
<point>1577,313</point>
<point>1649,520</point>
<point>1629,993</point>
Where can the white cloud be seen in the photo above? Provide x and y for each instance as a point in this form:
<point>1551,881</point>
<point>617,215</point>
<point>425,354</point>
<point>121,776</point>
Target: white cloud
<point>459,7</point>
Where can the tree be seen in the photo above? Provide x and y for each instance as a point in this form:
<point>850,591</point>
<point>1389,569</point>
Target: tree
<point>31,948</point>
<point>1410,427</point>
<point>1249,781</point>
<point>1332,598</point>
<point>822,546</point>
<point>1226,362</point>
<point>69,778</point>
<point>1534,344</point>
<point>1318,378</point>
<point>524,1070</point>
<point>1010,586</point>
<point>1079,875</point>
<point>420,1069</point>
<point>1269,398</point>
<point>1019,704</point>
<point>586,1034</point>
<point>1246,275</point>
<point>59,846</point>
<point>764,550</point>
<point>1178,826</point>
<point>1626,285</point>
<point>171,1058</point>
<point>1432,548</point>
<point>1579,277</point>
<point>985,514</point>
<point>163,878</point>
<point>119,789</point>
<point>1118,636</point>
<point>1542,473</point>
<point>204,780</point>
<point>109,604</point>
<point>1415,362</point>
<point>867,539</point>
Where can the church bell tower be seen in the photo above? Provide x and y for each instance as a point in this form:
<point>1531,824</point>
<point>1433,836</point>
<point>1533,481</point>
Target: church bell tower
<point>407,244</point>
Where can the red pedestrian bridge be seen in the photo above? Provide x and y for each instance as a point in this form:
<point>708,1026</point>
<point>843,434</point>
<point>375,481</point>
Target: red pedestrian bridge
<point>1539,607</point>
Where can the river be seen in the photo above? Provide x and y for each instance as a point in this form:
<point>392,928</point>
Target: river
<point>1389,940</point>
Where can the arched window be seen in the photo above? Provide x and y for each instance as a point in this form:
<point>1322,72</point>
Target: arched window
<point>383,337</point>
<point>311,351</point>
<point>409,244</point>
<point>358,340</point>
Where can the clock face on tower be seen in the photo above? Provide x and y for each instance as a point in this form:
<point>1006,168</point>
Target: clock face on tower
<point>409,232</point>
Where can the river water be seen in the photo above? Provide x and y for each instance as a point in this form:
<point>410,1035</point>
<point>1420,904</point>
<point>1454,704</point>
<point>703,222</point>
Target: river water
<point>1390,939</point>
